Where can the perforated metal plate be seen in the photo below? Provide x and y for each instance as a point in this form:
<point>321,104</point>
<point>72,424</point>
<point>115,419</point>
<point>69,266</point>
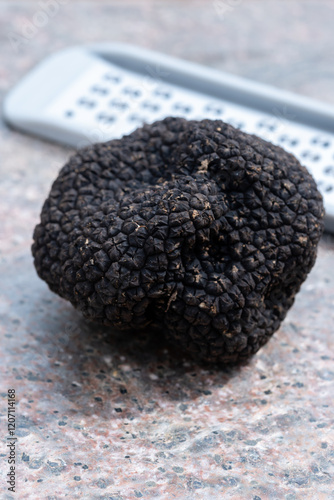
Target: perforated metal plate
<point>105,100</point>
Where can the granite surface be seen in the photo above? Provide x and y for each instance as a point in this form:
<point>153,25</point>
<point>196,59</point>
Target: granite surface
<point>102,415</point>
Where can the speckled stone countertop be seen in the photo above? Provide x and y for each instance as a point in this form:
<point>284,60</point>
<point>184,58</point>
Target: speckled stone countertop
<point>103,416</point>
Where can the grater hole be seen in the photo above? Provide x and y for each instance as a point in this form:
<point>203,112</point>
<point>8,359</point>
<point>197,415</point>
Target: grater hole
<point>324,187</point>
<point>236,123</point>
<point>87,103</point>
<point>132,92</point>
<point>151,106</point>
<point>309,155</point>
<point>183,108</point>
<point>111,78</point>
<point>214,109</point>
<point>329,170</point>
<point>105,118</point>
<point>164,94</point>
<point>287,140</point>
<point>118,104</point>
<point>137,118</point>
<point>69,113</point>
<point>96,89</point>
<point>267,125</point>
<point>320,141</point>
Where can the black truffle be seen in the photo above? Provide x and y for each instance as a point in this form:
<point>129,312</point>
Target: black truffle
<point>191,226</point>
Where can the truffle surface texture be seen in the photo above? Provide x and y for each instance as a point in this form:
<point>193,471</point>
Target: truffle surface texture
<point>193,227</point>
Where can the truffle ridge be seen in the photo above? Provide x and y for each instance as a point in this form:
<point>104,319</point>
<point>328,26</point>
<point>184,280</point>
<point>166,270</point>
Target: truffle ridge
<point>191,226</point>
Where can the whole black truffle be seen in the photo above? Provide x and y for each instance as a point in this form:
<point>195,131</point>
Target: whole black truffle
<point>191,226</point>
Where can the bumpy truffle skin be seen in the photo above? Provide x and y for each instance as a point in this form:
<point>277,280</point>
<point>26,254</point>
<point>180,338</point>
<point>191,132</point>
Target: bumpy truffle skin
<point>191,226</point>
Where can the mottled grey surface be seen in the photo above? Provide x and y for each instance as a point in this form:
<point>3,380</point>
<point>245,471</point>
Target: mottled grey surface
<point>116,416</point>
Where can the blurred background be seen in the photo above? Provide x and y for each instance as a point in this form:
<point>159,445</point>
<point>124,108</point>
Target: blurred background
<point>264,432</point>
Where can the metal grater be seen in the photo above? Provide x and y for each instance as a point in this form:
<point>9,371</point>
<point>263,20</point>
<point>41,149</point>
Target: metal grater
<point>100,92</point>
